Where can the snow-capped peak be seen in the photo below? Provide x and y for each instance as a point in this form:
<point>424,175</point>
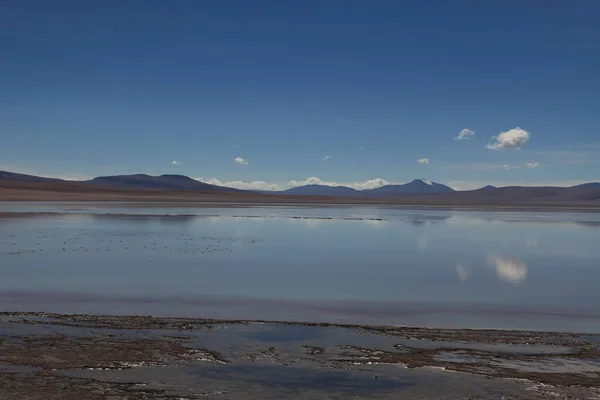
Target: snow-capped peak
<point>426,182</point>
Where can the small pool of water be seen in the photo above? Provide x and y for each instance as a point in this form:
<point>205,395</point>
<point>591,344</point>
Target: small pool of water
<point>491,347</point>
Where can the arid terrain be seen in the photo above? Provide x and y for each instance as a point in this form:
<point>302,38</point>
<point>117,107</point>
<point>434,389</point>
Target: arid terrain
<point>535,198</point>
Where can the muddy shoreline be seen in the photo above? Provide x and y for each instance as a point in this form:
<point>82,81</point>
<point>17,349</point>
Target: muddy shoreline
<point>89,356</point>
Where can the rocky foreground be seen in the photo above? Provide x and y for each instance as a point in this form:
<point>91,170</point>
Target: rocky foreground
<point>50,356</point>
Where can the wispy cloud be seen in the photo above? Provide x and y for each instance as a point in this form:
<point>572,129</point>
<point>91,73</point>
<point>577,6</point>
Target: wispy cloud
<point>369,184</point>
<point>262,185</point>
<point>571,155</point>
<point>313,180</point>
<point>326,157</point>
<point>424,161</point>
<point>513,139</point>
<point>240,161</point>
<point>493,167</point>
<point>254,185</point>
<point>175,162</point>
<point>477,167</point>
<point>465,134</point>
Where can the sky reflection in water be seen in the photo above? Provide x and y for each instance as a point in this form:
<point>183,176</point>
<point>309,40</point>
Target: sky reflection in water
<point>435,268</point>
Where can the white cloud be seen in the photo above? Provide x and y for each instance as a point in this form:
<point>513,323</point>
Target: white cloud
<point>313,180</point>
<point>368,184</point>
<point>262,185</point>
<point>254,185</point>
<point>175,162</point>
<point>512,139</point>
<point>423,161</point>
<point>212,181</point>
<point>509,167</point>
<point>240,161</point>
<point>533,164</point>
<point>510,270</point>
<point>326,157</point>
<point>465,134</point>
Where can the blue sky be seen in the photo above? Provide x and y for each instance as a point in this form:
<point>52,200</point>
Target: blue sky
<point>115,87</point>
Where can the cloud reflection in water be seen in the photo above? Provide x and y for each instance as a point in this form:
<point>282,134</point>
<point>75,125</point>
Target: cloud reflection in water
<point>511,270</point>
<point>463,272</point>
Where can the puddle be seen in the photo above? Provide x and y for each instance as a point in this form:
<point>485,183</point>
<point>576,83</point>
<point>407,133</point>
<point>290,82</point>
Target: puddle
<point>456,357</point>
<point>533,349</point>
<point>548,365</point>
<point>293,378</point>
<point>284,333</point>
<point>243,382</point>
<point>6,368</point>
<point>258,378</point>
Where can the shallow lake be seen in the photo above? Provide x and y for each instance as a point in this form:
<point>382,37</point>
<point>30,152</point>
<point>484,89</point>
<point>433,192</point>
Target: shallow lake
<point>510,270</point>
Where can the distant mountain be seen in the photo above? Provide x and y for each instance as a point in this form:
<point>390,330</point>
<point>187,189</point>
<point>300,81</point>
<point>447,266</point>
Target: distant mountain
<point>138,181</point>
<point>14,177</point>
<point>418,191</point>
<point>488,187</point>
<point>524,194</point>
<point>321,190</point>
<point>418,186</point>
<point>163,182</point>
<point>591,185</point>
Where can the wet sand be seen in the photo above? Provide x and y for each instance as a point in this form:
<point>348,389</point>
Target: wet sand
<point>52,356</point>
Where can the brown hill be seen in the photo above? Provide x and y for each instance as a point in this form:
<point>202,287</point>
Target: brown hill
<point>177,188</point>
<point>510,197</point>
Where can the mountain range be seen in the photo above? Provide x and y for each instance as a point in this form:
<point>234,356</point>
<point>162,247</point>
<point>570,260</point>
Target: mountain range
<point>136,181</point>
<point>14,186</point>
<point>418,186</point>
<point>181,182</point>
<point>163,182</point>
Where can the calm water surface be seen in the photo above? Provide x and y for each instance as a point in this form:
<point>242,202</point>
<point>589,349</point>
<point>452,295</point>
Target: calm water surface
<point>379,265</point>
